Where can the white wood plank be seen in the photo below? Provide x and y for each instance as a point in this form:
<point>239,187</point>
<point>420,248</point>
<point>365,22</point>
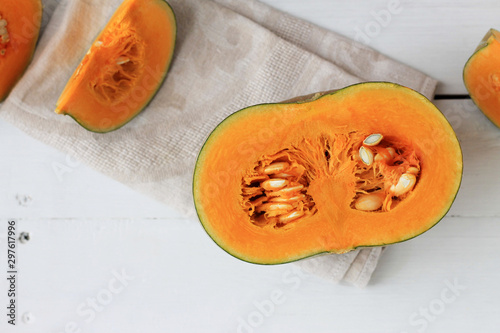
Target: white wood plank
<point>190,285</point>
<point>434,36</point>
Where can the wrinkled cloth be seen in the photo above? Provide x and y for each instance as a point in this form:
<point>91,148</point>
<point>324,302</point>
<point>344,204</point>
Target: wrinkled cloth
<point>229,54</point>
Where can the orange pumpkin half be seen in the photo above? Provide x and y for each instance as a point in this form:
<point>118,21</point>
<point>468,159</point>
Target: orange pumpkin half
<point>20,22</point>
<point>369,165</point>
<point>482,76</point>
<point>124,67</point>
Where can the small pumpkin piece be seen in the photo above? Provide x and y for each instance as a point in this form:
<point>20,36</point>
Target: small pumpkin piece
<point>20,22</point>
<point>124,67</point>
<point>481,76</point>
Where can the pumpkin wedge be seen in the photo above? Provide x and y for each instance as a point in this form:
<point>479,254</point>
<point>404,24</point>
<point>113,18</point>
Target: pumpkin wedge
<point>124,67</point>
<point>368,165</point>
<point>20,22</point>
<point>482,76</point>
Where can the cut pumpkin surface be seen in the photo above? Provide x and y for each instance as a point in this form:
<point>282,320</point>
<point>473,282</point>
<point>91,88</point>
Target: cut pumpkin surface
<point>482,76</point>
<point>369,165</point>
<point>124,67</point>
<point>20,22</point>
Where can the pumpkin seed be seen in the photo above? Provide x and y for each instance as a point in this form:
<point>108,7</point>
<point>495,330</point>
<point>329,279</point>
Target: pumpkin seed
<point>291,199</point>
<point>405,184</point>
<point>256,179</point>
<point>391,151</point>
<point>280,196</point>
<point>259,201</point>
<point>122,60</point>
<point>291,216</point>
<point>413,170</point>
<point>287,191</point>
<point>251,191</point>
<point>274,184</point>
<point>369,202</point>
<point>366,155</point>
<point>3,23</point>
<point>373,139</point>
<point>270,207</point>
<point>283,175</point>
<point>276,167</point>
<point>355,156</point>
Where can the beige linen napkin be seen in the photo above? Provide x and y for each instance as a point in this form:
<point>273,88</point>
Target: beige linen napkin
<point>230,54</point>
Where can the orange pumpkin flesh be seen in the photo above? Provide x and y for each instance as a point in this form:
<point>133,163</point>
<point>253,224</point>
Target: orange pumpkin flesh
<point>124,67</point>
<point>20,22</point>
<point>482,76</point>
<point>322,138</point>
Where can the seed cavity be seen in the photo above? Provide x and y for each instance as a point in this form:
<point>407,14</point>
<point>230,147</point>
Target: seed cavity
<point>373,140</point>
<point>386,180</point>
<point>274,192</point>
<point>125,49</point>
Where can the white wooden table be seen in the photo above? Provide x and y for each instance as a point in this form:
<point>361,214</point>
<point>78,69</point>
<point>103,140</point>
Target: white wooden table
<point>103,258</point>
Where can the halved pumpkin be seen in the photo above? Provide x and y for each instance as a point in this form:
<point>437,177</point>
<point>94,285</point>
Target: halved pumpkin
<point>369,165</point>
<point>482,76</point>
<point>20,22</point>
<point>124,67</point>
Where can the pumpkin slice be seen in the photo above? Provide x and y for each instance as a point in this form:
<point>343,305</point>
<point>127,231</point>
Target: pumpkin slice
<point>20,22</point>
<point>482,76</point>
<point>124,67</point>
<point>369,165</point>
